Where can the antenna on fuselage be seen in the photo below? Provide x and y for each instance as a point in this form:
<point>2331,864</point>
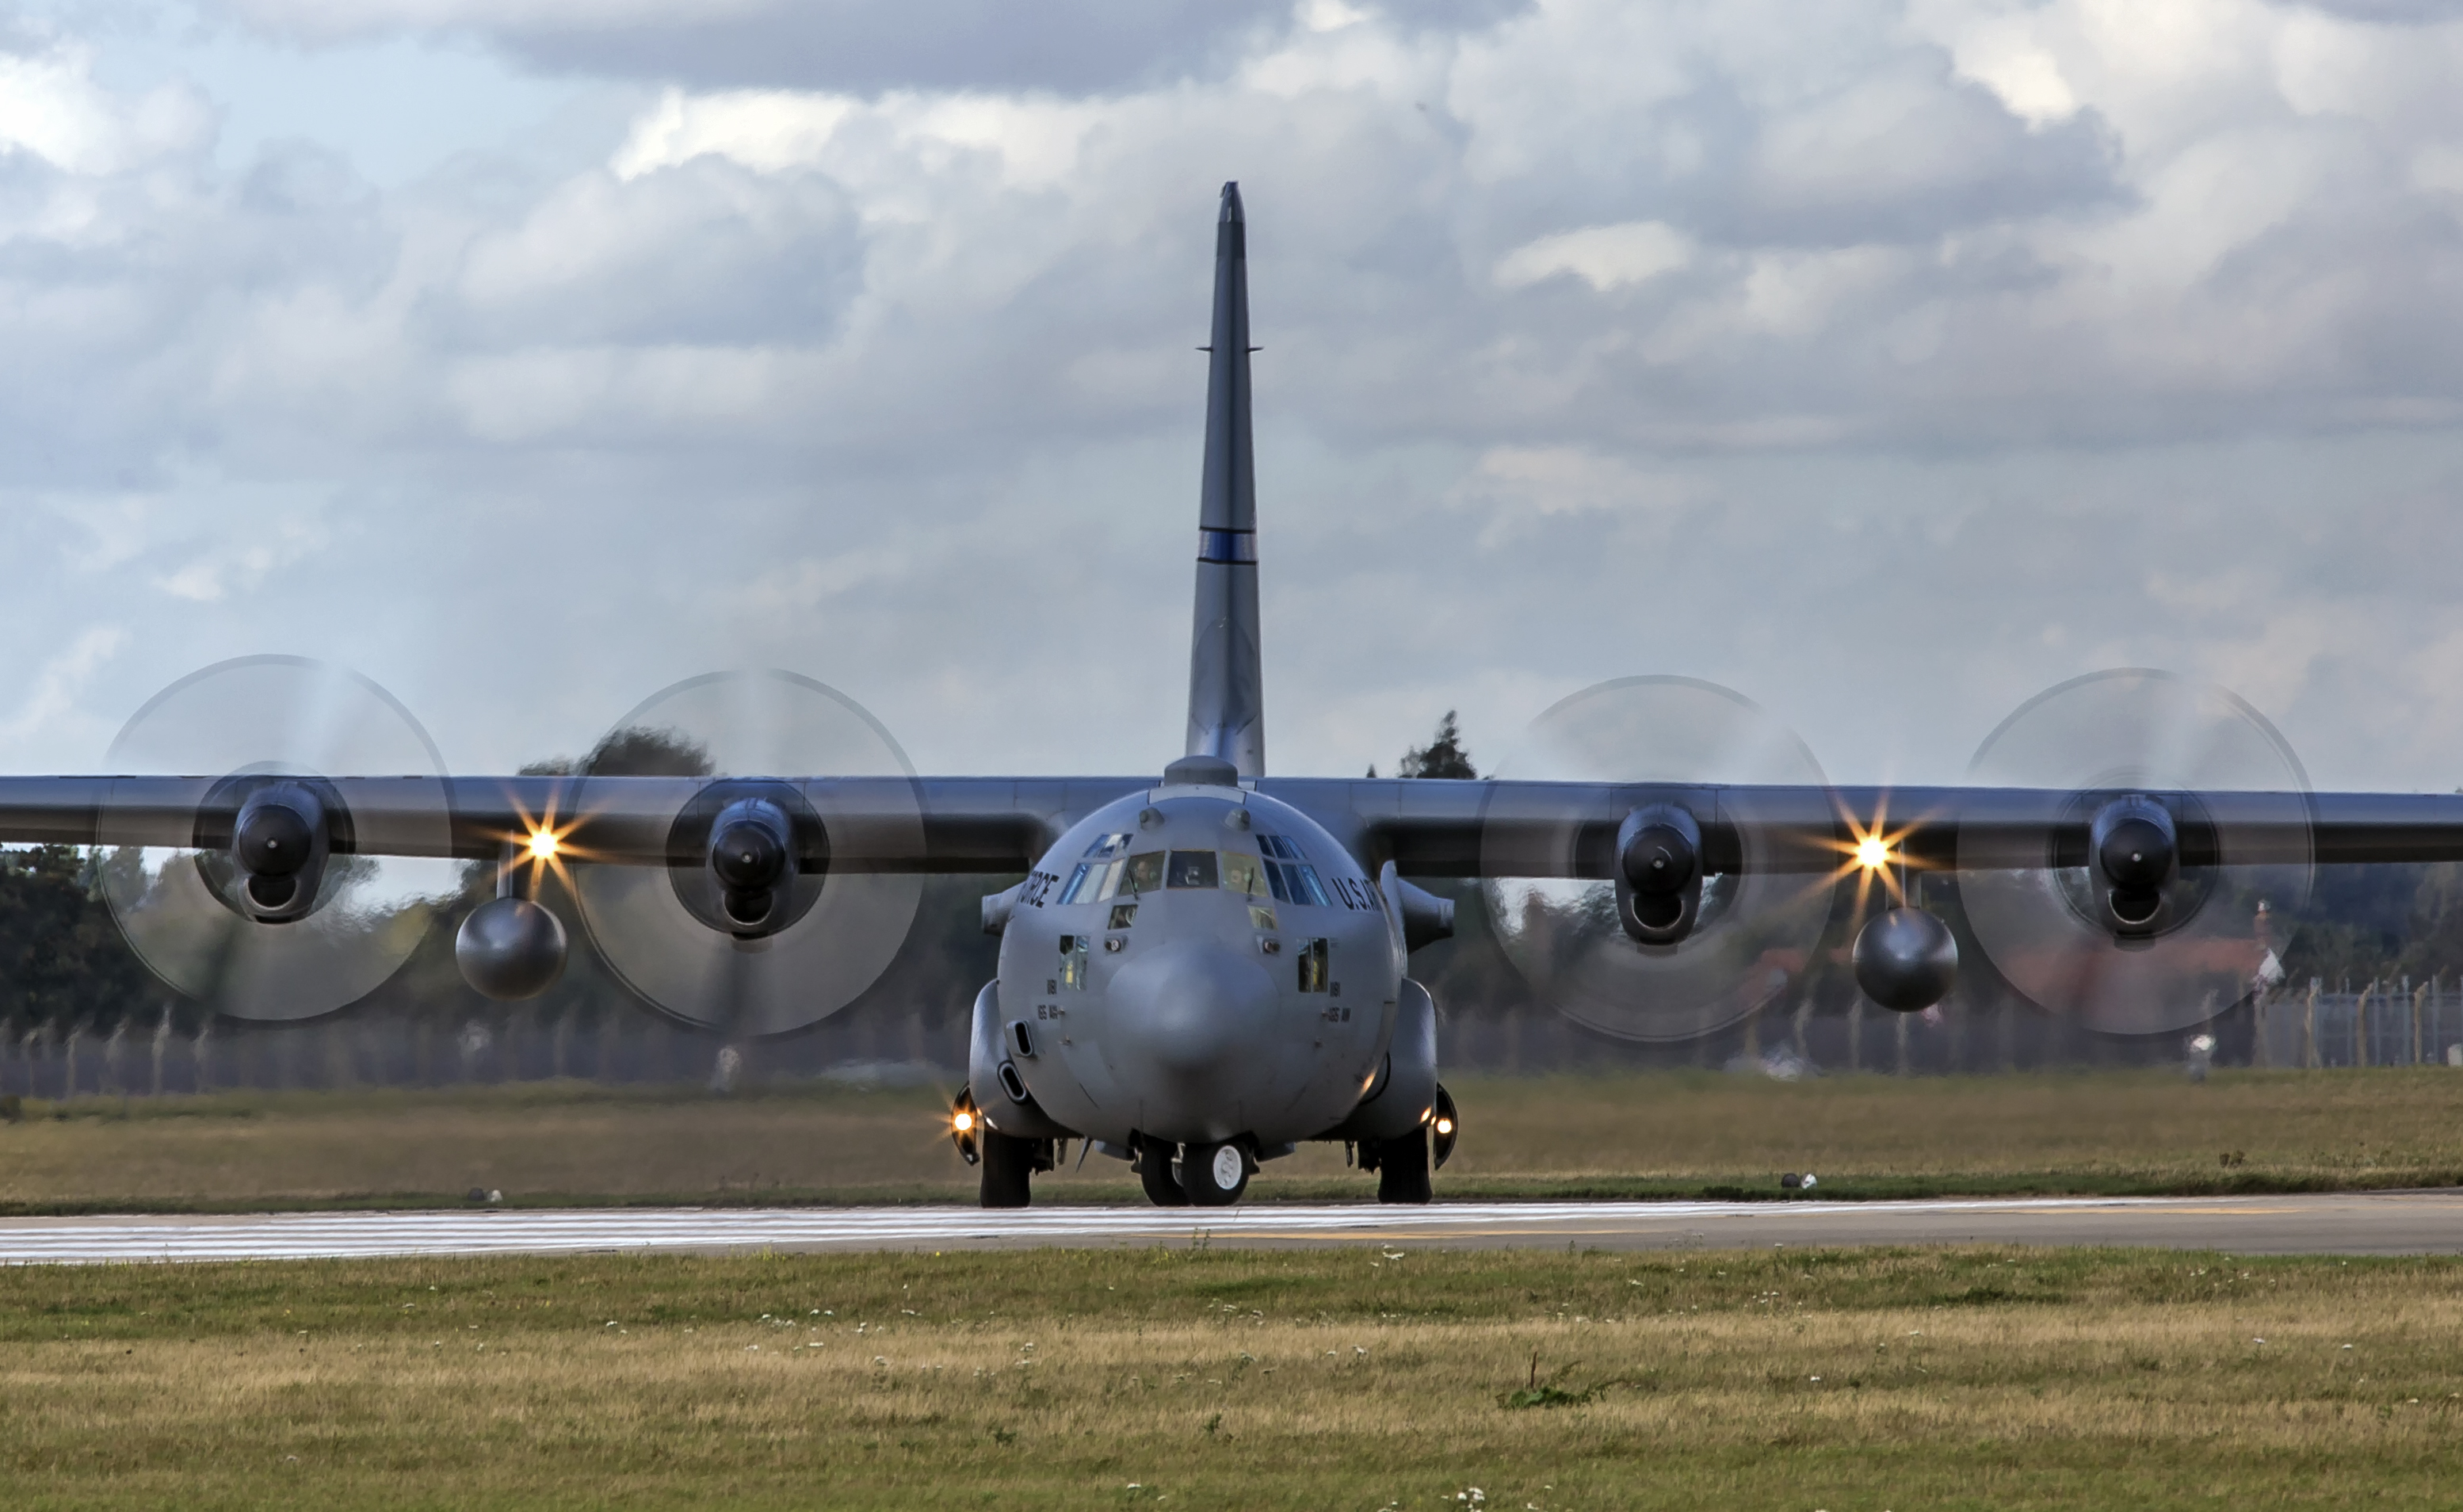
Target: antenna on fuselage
<point>1227,707</point>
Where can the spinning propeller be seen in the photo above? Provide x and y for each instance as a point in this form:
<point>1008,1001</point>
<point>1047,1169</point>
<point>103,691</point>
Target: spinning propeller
<point>2135,908</point>
<point>1665,914</point>
<point>780,901</point>
<point>250,891</point>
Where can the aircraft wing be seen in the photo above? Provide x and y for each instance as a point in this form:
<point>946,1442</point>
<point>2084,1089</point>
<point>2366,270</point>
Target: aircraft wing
<point>1439,828</point>
<point>1427,827</point>
<point>926,825</point>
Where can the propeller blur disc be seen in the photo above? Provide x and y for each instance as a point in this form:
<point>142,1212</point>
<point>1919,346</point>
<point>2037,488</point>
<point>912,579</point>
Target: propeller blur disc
<point>274,716</point>
<point>653,925</point>
<point>2139,731</point>
<point>1756,928</point>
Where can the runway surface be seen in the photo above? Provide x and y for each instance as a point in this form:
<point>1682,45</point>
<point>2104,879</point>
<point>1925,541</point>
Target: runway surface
<point>2371,1223</point>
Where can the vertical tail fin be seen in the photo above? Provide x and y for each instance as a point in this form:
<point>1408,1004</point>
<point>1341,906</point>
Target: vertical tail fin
<point>1226,714</point>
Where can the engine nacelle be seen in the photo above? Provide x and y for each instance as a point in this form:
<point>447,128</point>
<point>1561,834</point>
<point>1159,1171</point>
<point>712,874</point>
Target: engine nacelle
<point>1658,873</point>
<point>2134,852</point>
<point>748,858</point>
<point>1907,960</point>
<point>265,842</point>
<point>511,949</point>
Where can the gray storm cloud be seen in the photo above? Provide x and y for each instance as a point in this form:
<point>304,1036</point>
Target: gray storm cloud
<point>1887,361</point>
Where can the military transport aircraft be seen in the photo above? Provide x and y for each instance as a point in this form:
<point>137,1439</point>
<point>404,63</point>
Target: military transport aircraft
<point>1205,967</point>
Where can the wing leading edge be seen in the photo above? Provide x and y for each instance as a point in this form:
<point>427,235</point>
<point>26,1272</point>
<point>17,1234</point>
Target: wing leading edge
<point>1427,827</point>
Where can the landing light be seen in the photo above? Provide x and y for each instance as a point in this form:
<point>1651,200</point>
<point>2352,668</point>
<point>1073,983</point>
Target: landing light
<point>962,1121</point>
<point>1872,853</point>
<point>1445,1126</point>
<point>544,844</point>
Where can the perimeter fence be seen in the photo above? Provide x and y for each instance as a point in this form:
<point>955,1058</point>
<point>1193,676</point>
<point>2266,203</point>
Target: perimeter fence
<point>2389,1023</point>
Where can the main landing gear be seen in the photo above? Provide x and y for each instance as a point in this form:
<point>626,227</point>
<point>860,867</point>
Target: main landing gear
<point>1403,1165</point>
<point>1008,1163</point>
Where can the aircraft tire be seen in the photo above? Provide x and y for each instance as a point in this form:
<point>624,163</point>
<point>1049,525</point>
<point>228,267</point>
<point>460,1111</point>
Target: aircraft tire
<point>1008,1171</point>
<point>1155,1173</point>
<point>1215,1176</point>
<point>1403,1167</point>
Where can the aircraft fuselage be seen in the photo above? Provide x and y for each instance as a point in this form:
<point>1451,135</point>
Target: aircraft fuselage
<point>1193,964</point>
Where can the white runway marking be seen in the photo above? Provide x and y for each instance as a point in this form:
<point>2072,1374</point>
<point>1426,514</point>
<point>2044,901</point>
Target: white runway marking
<point>2391,1222</point>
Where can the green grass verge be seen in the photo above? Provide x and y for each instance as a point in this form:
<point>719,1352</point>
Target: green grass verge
<point>1654,1135</point>
<point>1369,1378</point>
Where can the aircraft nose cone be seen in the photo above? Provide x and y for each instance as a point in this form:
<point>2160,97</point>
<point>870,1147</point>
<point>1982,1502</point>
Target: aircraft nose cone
<point>1191,1016</point>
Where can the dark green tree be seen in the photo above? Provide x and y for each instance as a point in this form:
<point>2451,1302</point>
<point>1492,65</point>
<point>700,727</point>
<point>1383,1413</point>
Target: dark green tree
<point>1443,756</point>
<point>62,960</point>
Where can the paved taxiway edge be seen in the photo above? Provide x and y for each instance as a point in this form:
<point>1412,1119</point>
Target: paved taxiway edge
<point>2361,1223</point>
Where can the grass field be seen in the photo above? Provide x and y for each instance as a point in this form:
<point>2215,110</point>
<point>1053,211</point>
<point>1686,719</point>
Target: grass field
<point>1239,1379</point>
<point>1664,1133</point>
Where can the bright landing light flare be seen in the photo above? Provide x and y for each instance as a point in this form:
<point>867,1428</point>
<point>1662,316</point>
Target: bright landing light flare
<point>1872,853</point>
<point>543,844</point>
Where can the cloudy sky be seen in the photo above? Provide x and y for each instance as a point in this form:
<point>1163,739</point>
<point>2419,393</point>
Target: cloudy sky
<point>1888,362</point>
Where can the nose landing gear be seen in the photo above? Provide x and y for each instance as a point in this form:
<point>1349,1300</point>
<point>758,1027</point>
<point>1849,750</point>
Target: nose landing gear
<point>1204,1176</point>
<point>1214,1175</point>
<point>1159,1173</point>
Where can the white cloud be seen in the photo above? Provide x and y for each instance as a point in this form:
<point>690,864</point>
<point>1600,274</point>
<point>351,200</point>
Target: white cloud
<point>1603,256</point>
<point>1897,321</point>
<point>764,129</point>
<point>51,108</point>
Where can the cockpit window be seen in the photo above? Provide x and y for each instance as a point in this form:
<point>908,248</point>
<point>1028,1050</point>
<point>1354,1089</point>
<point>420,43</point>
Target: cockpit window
<point>1091,882</point>
<point>1144,874</point>
<point>1106,847</point>
<point>1293,879</point>
<point>1191,868</point>
<point>1243,874</point>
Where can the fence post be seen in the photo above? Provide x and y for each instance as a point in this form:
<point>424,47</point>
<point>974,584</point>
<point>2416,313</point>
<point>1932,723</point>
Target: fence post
<point>1856,1034</point>
<point>2360,1025</point>
<point>2309,1029</point>
<point>2419,995</point>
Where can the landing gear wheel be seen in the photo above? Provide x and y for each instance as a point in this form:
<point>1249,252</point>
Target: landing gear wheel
<point>1403,1167</point>
<point>1215,1176</point>
<point>1009,1163</point>
<point>1155,1170</point>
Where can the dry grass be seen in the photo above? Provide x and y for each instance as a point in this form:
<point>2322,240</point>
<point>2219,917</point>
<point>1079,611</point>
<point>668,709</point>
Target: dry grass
<point>2365,1127</point>
<point>1358,1379</point>
<point>1641,1134</point>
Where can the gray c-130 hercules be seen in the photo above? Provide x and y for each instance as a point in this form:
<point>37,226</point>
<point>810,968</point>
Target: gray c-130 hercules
<point>1205,969</point>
